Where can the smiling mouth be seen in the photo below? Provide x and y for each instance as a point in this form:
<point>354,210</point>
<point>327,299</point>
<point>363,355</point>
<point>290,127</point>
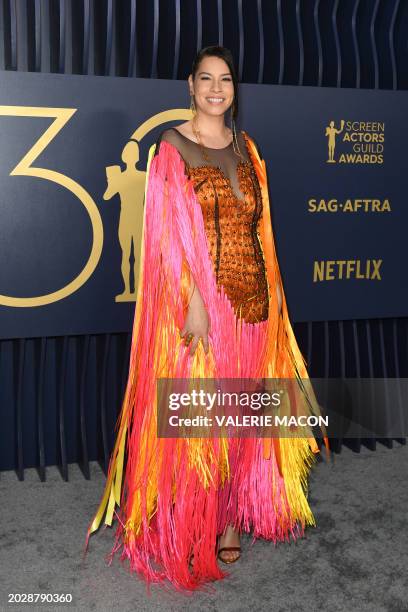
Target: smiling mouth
<point>215,100</point>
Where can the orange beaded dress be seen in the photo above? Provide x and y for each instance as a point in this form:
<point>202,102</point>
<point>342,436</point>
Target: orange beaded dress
<point>230,198</point>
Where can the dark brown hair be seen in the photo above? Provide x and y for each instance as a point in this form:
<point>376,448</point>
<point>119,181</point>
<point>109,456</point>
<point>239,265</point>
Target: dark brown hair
<point>226,55</point>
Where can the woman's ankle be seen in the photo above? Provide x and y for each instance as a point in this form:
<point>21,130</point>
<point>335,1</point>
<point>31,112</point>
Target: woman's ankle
<point>230,533</point>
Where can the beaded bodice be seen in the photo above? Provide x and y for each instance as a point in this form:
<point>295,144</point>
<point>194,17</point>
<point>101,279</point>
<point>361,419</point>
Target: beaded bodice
<point>230,198</point>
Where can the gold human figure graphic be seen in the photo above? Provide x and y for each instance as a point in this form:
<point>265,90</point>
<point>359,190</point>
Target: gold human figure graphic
<point>129,184</point>
<point>331,132</point>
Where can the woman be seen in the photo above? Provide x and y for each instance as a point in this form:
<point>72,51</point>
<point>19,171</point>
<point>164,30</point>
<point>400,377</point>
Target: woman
<point>210,304</point>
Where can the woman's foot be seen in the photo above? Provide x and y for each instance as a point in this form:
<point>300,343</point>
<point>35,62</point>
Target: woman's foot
<point>230,538</point>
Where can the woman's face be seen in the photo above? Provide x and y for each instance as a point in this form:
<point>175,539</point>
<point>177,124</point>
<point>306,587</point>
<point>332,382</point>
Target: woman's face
<point>212,87</point>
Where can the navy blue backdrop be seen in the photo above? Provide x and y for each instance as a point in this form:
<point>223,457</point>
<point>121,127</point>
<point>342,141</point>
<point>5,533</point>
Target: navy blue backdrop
<point>339,216</point>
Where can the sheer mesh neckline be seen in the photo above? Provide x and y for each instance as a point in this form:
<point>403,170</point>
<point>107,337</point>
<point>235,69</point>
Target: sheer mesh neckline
<point>205,146</point>
<point>217,168</point>
<point>209,165</point>
<point>223,161</point>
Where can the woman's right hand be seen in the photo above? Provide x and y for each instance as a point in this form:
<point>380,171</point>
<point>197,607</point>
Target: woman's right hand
<point>197,323</point>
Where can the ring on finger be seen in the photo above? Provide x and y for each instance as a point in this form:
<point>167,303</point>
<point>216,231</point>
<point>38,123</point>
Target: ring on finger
<point>189,338</point>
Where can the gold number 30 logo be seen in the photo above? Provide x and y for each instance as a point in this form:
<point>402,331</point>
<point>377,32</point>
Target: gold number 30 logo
<point>25,168</point>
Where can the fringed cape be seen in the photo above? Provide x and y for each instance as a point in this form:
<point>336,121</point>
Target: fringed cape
<point>171,492</point>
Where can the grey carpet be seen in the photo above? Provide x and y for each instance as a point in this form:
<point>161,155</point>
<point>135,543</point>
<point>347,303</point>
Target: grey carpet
<point>355,559</point>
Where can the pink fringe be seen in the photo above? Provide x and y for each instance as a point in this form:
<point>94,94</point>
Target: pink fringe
<point>254,497</point>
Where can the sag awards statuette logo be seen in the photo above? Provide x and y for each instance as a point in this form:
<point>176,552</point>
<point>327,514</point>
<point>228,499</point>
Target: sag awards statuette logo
<point>357,142</point>
<point>130,185</point>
